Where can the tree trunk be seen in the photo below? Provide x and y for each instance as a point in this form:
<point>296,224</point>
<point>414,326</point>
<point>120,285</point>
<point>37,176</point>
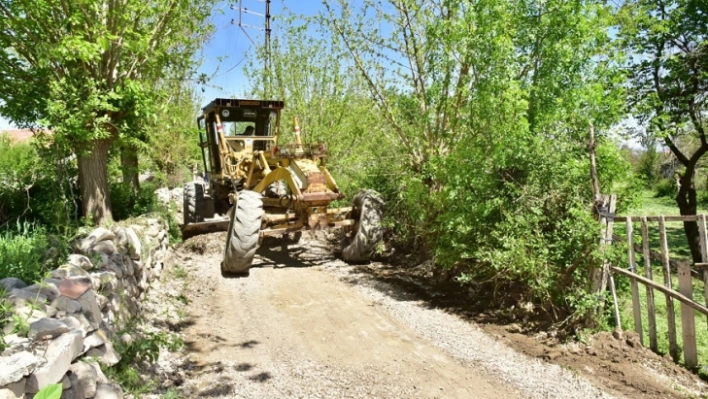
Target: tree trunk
<point>129,166</point>
<point>93,182</point>
<point>687,203</point>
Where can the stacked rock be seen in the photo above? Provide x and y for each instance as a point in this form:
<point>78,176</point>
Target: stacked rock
<point>62,325</point>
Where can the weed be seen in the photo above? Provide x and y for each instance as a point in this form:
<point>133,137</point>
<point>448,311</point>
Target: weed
<point>22,250</point>
<point>180,272</point>
<point>171,394</point>
<point>183,299</point>
<point>145,349</point>
<point>6,309</point>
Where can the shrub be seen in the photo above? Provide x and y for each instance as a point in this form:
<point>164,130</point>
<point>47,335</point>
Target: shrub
<point>125,203</point>
<point>38,183</point>
<point>665,188</point>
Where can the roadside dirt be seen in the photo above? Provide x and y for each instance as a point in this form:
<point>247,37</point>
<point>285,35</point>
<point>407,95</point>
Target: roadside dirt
<point>306,325</point>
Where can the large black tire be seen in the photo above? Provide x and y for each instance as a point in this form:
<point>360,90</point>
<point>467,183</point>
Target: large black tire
<point>366,234</point>
<point>242,235</point>
<point>193,202</point>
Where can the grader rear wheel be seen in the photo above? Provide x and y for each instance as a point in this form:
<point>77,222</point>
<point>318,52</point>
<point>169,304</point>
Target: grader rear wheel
<point>193,202</point>
<point>360,244</point>
<point>242,235</point>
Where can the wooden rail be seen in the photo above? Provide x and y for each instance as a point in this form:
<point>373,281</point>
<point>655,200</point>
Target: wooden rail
<point>673,218</point>
<point>659,287</point>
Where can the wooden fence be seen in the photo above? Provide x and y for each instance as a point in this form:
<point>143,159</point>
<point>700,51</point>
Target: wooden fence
<point>684,295</point>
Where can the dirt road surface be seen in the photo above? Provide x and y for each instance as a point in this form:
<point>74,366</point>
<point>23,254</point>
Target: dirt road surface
<point>306,325</point>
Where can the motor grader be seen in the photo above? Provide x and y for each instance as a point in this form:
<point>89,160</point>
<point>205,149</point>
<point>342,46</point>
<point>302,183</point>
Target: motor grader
<point>257,187</point>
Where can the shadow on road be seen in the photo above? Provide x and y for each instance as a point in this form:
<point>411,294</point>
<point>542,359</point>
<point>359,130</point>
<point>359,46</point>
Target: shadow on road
<point>280,253</point>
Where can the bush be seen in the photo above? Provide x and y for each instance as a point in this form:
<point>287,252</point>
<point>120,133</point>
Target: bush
<point>125,203</point>
<point>18,166</point>
<point>38,183</point>
<point>24,252</point>
<point>665,188</point>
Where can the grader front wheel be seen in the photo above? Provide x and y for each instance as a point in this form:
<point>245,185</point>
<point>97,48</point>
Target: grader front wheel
<point>242,235</point>
<point>361,242</point>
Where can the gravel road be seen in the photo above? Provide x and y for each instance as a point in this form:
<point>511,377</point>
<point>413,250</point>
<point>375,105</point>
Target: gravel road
<point>306,325</point>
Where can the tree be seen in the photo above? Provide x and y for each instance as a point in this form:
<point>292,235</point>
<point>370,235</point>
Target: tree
<point>488,105</point>
<point>84,68</point>
<point>668,44</point>
<point>311,71</point>
<point>173,142</point>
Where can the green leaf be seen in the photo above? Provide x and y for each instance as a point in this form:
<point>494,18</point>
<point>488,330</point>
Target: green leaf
<point>52,391</point>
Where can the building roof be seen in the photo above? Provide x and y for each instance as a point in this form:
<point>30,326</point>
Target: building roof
<point>18,135</point>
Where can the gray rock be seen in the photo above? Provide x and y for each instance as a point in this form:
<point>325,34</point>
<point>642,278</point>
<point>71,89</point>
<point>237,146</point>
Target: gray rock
<point>80,261</point>
<point>134,244</point>
<point>29,313</point>
<point>78,322</point>
<point>109,281</point>
<point>100,377</point>
<point>102,300</point>
<point>51,311</point>
<point>109,316</point>
<point>121,240</point>
<point>47,328</point>
<point>27,295</point>
<point>132,305</point>
<point>128,266</point>
<point>65,382</point>
<point>96,339</point>
<point>13,340</point>
<point>126,339</point>
<point>99,235</point>
<point>104,247</point>
<point>68,271</point>
<point>10,283</point>
<point>89,307</point>
<point>163,196</point>
<point>15,390</point>
<point>83,380</point>
<point>153,230</point>
<point>15,367</point>
<point>131,286</point>
<point>108,391</point>
<point>105,354</point>
<point>69,394</point>
<point>47,288</point>
<point>114,268</point>
<point>60,352</point>
<point>65,304</point>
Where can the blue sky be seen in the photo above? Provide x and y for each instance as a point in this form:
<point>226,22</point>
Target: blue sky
<point>225,55</point>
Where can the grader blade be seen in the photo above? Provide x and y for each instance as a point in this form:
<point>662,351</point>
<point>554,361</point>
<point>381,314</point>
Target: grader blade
<point>212,226</point>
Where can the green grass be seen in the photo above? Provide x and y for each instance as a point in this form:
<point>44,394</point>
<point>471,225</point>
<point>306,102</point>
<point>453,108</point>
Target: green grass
<point>652,206</point>
<point>22,252</point>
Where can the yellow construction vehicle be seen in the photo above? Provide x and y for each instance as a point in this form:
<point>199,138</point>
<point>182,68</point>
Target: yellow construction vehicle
<point>257,187</point>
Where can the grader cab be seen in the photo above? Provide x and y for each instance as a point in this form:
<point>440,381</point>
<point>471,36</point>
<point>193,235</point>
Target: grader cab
<point>258,187</point>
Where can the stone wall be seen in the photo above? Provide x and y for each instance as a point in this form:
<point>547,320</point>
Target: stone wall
<point>70,320</point>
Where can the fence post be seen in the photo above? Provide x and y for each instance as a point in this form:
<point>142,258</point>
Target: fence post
<point>690,354</point>
<point>636,305</point>
<point>704,252</point>
<point>670,313</point>
<point>651,313</point>
<point>598,275</point>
